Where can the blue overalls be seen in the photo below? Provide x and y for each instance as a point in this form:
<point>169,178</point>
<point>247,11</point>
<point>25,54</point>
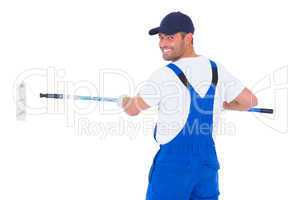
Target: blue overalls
<point>186,168</point>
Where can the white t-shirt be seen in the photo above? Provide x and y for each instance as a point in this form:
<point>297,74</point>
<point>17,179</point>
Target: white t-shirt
<point>165,89</point>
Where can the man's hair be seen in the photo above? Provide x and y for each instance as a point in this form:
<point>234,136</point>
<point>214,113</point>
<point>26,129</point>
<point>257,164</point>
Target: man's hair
<point>183,34</point>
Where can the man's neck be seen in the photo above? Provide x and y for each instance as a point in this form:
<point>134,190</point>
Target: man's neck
<point>189,53</point>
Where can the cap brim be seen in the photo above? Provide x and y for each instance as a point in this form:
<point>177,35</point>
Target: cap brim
<point>154,31</point>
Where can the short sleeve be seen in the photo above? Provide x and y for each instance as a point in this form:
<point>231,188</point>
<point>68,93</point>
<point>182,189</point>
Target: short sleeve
<point>150,90</point>
<point>231,86</point>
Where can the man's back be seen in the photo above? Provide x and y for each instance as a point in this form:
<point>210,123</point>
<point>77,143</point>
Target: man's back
<point>164,89</point>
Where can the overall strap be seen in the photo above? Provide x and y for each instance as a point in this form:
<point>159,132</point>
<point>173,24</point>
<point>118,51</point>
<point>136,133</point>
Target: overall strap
<point>179,74</point>
<point>214,70</point>
<point>183,78</point>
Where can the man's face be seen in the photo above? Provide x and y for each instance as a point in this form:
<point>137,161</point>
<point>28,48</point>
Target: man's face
<point>172,46</point>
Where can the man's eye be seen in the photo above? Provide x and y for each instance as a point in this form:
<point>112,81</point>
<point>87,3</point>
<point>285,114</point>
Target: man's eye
<point>170,37</point>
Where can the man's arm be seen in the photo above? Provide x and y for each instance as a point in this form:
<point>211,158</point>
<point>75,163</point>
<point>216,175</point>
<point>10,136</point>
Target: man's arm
<point>244,101</point>
<point>134,105</point>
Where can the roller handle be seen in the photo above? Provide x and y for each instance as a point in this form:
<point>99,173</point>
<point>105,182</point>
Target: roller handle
<point>262,110</point>
<point>54,96</point>
<point>120,99</point>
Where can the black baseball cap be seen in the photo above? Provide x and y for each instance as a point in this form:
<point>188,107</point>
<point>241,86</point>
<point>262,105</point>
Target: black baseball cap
<point>173,23</point>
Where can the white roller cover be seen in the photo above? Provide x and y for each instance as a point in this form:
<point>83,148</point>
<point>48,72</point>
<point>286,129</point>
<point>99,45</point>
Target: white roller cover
<point>21,102</point>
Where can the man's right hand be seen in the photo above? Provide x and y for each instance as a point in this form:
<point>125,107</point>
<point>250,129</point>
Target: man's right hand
<point>244,101</point>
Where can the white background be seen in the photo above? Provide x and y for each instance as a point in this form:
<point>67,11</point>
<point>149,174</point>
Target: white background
<point>50,156</point>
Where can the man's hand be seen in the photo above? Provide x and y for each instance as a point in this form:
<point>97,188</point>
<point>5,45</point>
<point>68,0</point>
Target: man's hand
<point>134,105</point>
<point>234,105</point>
<point>244,101</point>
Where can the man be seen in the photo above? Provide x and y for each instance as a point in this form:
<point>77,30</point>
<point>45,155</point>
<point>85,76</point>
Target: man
<point>190,93</point>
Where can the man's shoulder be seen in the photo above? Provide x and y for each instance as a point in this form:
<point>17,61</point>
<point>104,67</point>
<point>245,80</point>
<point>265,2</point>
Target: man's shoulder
<point>162,74</point>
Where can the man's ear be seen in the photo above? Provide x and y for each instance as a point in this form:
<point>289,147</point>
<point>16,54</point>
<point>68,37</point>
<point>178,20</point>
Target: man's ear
<point>189,38</point>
